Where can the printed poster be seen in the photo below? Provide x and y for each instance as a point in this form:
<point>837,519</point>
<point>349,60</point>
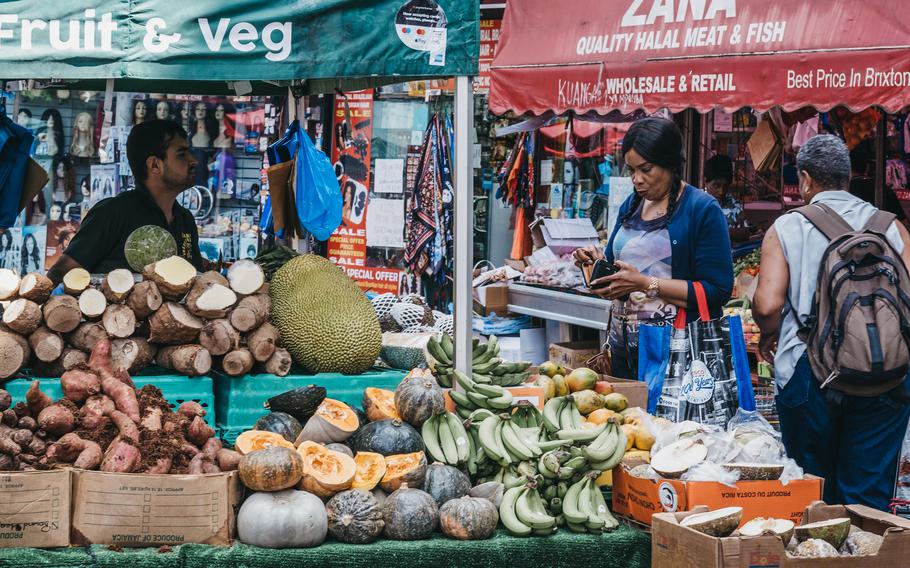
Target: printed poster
<point>10,245</point>
<point>58,237</point>
<point>31,254</point>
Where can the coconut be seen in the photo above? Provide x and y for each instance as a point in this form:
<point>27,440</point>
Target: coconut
<point>719,523</point>
<point>756,471</point>
<point>674,460</point>
<point>758,448</point>
<point>760,525</point>
<point>832,531</point>
<point>862,543</point>
<point>816,548</point>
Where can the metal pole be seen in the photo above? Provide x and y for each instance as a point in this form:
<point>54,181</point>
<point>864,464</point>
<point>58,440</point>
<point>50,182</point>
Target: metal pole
<point>464,225</point>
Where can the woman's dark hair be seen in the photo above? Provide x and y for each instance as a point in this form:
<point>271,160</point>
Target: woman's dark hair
<point>57,133</point>
<point>659,142</point>
<point>719,167</point>
<point>148,109</point>
<point>26,256</point>
<point>211,125</point>
<point>151,138</point>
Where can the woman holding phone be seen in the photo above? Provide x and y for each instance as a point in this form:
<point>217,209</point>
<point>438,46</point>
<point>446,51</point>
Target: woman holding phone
<point>668,235</point>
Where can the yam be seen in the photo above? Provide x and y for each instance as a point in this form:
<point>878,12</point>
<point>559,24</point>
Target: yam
<point>28,423</point>
<point>8,446</point>
<point>263,341</point>
<point>119,321</point>
<point>57,420</point>
<point>216,277</point>
<point>279,363</point>
<point>22,316</point>
<point>6,399</point>
<point>70,448</point>
<point>131,355</point>
<point>121,457</point>
<point>199,432</point>
<point>237,363</point>
<point>92,304</point>
<point>62,314</point>
<point>191,359</point>
<point>123,395</point>
<point>151,420</point>
<point>78,384</point>
<point>246,277</point>
<point>36,287</point>
<point>14,353</point>
<point>210,300</point>
<point>70,358</point>
<point>9,284</point>
<point>127,428</point>
<point>87,335</point>
<point>145,299</point>
<point>46,345</point>
<point>251,312</point>
<point>117,285</point>
<point>191,409</point>
<point>173,275</point>
<point>172,324</point>
<point>76,281</point>
<point>219,337</point>
<point>228,460</point>
<point>36,399</point>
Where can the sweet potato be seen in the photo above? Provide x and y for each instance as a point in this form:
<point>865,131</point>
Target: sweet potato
<point>70,448</point>
<point>121,457</point>
<point>78,384</point>
<point>191,409</point>
<point>127,427</point>
<point>37,446</point>
<point>8,463</point>
<point>28,423</point>
<point>195,466</point>
<point>199,432</point>
<point>99,404</point>
<point>9,417</point>
<point>123,396</point>
<point>5,400</point>
<point>152,419</point>
<point>228,460</point>
<point>162,465</point>
<point>188,449</point>
<point>28,459</point>
<point>21,409</point>
<point>209,467</point>
<point>57,420</point>
<point>22,437</point>
<point>8,446</point>
<point>211,447</point>
<point>36,399</point>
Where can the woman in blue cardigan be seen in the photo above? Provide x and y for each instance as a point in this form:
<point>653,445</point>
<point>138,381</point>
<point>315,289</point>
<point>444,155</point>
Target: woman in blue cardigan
<point>668,235</point>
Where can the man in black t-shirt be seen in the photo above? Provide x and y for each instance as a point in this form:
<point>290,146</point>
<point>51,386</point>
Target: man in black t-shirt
<point>863,186</point>
<point>163,167</point>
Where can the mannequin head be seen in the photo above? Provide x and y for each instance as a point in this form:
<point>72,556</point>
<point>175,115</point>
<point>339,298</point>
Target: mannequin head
<point>163,110</point>
<point>53,125</point>
<point>56,211</point>
<point>83,145</point>
<point>24,118</point>
<point>140,111</point>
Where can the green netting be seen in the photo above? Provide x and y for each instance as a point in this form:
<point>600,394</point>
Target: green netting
<point>623,548</point>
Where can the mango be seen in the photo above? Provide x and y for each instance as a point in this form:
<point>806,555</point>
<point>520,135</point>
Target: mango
<point>602,416</point>
<point>582,379</point>
<point>548,385</point>
<point>603,387</point>
<point>587,401</point>
<point>644,439</point>
<point>616,402</point>
<point>562,388</point>
<point>633,457</point>
<point>549,369</point>
<point>629,430</point>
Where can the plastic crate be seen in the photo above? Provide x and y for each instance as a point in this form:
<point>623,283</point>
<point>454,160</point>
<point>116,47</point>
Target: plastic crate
<point>175,388</point>
<point>239,401</point>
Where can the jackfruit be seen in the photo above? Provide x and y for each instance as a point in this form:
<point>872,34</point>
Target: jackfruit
<point>325,320</point>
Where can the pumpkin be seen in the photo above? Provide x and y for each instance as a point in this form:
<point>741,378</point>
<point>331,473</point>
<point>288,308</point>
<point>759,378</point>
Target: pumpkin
<point>271,469</point>
<point>370,470</point>
<point>387,437</point>
<point>361,416</point>
<point>255,440</point>
<point>417,398</point>
<point>301,403</point>
<point>280,423</point>
<point>340,448</point>
<point>380,495</point>
<point>379,404</point>
<point>355,517</point>
<point>492,491</point>
<point>404,468</point>
<point>409,514</point>
<point>325,472</point>
<point>283,519</point>
<point>444,483</point>
<point>334,421</point>
<point>468,518</point>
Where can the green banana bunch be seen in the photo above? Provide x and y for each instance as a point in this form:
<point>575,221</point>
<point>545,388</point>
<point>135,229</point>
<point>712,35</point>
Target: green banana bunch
<point>607,449</point>
<point>446,439</point>
<point>560,413</point>
<point>585,509</point>
<point>505,442</point>
<point>480,395</point>
<point>527,415</point>
<point>523,512</point>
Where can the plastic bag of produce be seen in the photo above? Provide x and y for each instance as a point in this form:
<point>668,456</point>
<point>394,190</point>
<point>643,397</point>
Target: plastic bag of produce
<point>710,471</point>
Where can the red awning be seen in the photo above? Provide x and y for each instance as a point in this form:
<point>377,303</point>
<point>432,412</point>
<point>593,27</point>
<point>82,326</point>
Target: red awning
<point>594,56</point>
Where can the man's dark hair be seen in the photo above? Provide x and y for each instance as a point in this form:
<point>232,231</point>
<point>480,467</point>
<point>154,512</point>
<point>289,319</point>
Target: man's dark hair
<point>719,167</point>
<point>150,138</point>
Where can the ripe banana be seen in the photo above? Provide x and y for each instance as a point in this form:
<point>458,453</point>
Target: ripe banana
<point>430,437</point>
<point>508,514</point>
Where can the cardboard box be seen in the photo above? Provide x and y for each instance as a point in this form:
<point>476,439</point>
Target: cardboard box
<point>151,510</point>
<point>35,508</point>
<point>563,236</point>
<point>640,498</point>
<point>573,354</point>
<point>674,546</point>
<point>492,298</point>
<point>530,393</point>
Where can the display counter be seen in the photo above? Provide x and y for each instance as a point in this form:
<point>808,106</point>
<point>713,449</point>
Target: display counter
<point>560,306</point>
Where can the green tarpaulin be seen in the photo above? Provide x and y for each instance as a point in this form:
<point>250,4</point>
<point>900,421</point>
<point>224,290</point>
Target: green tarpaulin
<point>623,548</point>
<point>186,41</point>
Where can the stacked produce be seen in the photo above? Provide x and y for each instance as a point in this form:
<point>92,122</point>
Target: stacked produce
<point>173,317</point>
<point>104,423</point>
<point>741,307</point>
<point>410,314</point>
<point>487,366</point>
<point>831,538</point>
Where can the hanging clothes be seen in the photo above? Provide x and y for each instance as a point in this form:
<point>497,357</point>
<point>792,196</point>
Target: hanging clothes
<point>423,245</point>
<point>15,144</point>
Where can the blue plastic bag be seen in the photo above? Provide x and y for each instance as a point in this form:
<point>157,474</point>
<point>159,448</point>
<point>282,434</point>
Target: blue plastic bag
<point>318,195</point>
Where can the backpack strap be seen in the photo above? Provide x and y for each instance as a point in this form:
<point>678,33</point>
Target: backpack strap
<point>880,222</point>
<point>825,220</point>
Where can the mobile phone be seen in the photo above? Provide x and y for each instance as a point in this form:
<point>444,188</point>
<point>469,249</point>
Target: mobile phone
<point>600,269</point>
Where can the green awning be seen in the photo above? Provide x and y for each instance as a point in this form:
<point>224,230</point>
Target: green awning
<point>198,45</point>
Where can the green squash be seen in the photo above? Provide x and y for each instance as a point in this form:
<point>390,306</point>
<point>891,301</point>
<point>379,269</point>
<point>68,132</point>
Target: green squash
<point>417,399</point>
<point>409,514</point>
<point>355,517</point>
<point>280,423</point>
<point>444,483</point>
<point>468,518</point>
<point>301,403</point>
<point>387,437</point>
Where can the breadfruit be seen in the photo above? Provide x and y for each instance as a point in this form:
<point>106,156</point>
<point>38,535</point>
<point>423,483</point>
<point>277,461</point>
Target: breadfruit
<point>148,244</point>
<point>325,320</point>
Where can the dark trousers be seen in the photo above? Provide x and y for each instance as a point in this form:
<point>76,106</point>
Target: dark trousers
<point>853,442</point>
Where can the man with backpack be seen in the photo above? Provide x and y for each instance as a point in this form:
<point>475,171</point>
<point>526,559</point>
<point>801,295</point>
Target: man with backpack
<point>834,297</point>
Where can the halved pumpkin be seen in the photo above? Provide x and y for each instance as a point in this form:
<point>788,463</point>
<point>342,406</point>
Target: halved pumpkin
<point>253,440</point>
<point>325,472</point>
<point>379,404</point>
<point>404,468</point>
<point>334,421</point>
<point>370,470</point>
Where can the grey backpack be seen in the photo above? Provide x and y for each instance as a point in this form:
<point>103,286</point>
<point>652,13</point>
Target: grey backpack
<point>858,333</point>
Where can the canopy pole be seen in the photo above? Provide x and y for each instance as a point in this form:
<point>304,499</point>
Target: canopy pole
<point>464,225</point>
